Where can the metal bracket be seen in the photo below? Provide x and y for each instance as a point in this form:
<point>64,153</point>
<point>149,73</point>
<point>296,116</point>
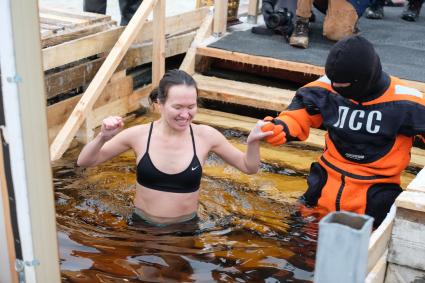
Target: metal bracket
<point>15,79</point>
<point>20,267</point>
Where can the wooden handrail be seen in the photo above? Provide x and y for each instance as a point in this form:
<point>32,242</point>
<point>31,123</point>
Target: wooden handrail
<point>66,134</point>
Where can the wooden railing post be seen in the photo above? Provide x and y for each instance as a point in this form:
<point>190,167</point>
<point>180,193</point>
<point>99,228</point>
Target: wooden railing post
<point>252,11</point>
<point>158,45</point>
<point>220,17</point>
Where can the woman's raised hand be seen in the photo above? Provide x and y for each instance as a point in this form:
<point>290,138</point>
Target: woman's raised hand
<point>111,126</point>
<point>257,134</point>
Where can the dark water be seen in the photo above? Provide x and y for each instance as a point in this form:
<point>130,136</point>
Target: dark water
<point>250,228</point>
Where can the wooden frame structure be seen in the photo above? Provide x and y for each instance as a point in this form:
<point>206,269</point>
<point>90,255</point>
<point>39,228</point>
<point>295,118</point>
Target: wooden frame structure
<point>122,56</point>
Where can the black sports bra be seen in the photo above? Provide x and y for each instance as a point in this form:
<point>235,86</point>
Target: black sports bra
<point>187,181</point>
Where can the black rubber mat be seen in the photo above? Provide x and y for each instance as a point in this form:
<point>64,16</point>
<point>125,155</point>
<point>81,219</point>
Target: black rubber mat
<point>400,44</point>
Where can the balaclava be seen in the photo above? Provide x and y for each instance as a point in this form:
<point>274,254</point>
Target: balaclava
<point>354,60</point>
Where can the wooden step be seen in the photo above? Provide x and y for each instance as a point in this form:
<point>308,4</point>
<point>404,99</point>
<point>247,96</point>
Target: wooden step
<point>247,94</point>
<point>274,63</point>
<point>260,60</point>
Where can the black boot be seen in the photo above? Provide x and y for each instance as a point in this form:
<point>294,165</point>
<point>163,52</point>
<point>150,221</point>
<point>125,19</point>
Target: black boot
<point>412,11</point>
<point>376,10</point>
<point>299,37</point>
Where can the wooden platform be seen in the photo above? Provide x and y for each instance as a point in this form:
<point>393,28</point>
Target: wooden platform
<point>58,26</point>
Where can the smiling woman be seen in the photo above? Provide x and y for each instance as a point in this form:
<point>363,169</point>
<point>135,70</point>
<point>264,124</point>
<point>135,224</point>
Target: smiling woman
<point>170,152</point>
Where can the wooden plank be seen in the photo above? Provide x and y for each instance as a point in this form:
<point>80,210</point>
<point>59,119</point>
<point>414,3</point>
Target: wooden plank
<point>74,50</point>
<point>177,24</point>
<point>259,60</point>
<point>204,31</point>
<point>68,52</point>
<point>220,17</point>
<point>87,16</point>
<point>48,17</point>
<point>377,274</point>
<point>80,75</point>
<point>158,52</point>
<point>32,172</point>
<point>253,95</point>
<point>64,138</point>
<point>403,274</point>
<point>56,111</point>
<point>52,28</point>
<point>380,240</point>
<point>252,11</point>
<point>407,245</point>
<point>68,35</point>
<point>143,53</point>
<point>71,78</point>
<point>412,200</point>
<point>276,63</point>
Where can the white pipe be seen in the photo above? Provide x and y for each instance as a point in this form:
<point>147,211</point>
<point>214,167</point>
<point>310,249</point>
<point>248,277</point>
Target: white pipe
<point>10,81</point>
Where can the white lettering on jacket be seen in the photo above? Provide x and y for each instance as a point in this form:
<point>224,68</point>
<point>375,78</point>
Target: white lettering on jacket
<point>355,120</point>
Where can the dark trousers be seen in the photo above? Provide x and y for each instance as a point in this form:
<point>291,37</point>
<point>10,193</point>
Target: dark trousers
<point>127,7</point>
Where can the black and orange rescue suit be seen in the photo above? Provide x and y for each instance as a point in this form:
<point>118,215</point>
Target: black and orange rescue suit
<point>370,127</point>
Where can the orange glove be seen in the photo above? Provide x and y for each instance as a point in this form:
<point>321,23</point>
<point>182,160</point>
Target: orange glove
<point>279,136</point>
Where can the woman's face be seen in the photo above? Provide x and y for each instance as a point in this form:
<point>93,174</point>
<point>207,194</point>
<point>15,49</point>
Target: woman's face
<point>180,106</point>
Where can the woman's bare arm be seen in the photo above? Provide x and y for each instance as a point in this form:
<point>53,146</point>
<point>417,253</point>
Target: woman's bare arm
<point>246,162</point>
<point>110,142</point>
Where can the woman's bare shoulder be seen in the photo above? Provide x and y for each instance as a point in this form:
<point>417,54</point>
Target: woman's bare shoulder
<point>203,129</point>
<point>136,131</point>
<point>207,132</point>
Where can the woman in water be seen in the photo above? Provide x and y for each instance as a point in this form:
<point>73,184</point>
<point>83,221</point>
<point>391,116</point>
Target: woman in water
<point>170,152</point>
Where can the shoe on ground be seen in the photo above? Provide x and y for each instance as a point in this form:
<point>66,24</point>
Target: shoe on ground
<point>375,12</point>
<point>412,11</point>
<point>299,37</point>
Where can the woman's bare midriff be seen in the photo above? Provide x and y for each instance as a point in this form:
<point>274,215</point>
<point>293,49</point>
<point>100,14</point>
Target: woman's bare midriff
<point>165,207</point>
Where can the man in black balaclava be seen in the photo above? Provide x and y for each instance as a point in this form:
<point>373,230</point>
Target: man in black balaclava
<point>365,77</point>
<point>371,120</point>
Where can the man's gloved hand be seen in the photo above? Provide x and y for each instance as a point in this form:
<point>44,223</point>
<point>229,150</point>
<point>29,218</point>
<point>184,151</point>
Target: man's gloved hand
<point>267,10</point>
<point>279,136</point>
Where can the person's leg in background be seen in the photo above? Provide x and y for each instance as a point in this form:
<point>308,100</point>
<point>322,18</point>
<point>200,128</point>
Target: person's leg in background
<point>299,37</point>
<point>94,6</point>
<point>128,8</point>
<point>376,10</point>
<point>340,20</point>
<point>412,11</point>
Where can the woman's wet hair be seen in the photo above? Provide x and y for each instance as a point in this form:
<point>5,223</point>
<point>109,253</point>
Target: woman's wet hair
<point>170,79</point>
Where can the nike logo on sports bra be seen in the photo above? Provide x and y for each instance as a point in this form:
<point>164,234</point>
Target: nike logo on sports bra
<point>194,168</point>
